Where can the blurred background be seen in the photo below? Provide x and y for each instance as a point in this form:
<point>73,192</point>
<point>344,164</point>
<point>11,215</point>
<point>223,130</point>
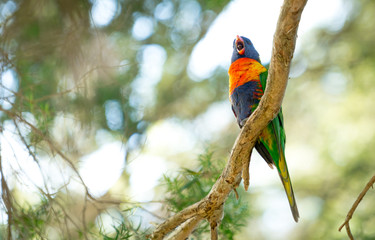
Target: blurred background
<point>115,114</point>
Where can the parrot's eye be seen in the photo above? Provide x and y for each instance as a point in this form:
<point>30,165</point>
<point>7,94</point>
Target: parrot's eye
<point>239,46</point>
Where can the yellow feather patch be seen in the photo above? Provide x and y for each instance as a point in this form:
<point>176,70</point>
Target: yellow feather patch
<point>286,180</point>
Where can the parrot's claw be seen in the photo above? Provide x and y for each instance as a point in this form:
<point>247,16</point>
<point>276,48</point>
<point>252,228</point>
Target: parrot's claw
<point>242,123</point>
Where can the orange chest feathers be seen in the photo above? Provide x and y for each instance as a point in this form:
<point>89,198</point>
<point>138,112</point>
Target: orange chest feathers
<point>244,70</point>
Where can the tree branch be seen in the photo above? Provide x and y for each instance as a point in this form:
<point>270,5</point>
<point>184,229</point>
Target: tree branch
<point>282,53</point>
<point>354,207</point>
<point>184,230</point>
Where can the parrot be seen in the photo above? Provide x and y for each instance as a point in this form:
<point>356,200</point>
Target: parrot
<point>247,82</point>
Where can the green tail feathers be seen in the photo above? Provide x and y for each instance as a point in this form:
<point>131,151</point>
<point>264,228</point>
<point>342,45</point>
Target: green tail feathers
<point>271,148</point>
<point>285,179</point>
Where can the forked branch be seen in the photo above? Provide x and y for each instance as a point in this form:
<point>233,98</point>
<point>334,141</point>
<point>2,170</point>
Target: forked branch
<point>354,207</point>
<point>211,206</point>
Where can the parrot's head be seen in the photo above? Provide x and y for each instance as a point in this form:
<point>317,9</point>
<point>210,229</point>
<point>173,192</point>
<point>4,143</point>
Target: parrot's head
<point>244,48</point>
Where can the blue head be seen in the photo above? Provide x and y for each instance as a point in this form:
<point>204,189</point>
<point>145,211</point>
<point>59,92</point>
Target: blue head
<point>244,48</point>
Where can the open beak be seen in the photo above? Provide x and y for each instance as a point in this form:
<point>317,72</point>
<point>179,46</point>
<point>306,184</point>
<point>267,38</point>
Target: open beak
<point>240,45</point>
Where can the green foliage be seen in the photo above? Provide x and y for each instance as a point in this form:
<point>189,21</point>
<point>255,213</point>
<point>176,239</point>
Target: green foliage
<point>190,186</point>
<point>127,229</point>
<point>121,233</point>
<point>30,222</point>
<point>72,79</point>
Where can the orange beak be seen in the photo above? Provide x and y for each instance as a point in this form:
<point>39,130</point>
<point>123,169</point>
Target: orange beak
<point>240,45</point>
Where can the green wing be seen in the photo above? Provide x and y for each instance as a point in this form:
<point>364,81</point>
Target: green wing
<point>272,140</point>
<point>277,123</point>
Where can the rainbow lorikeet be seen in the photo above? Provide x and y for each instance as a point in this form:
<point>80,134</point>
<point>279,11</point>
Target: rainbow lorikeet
<point>247,82</point>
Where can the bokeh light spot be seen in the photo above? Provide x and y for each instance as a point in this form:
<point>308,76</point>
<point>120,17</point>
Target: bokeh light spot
<point>8,85</point>
<point>113,114</point>
<point>164,11</point>
<point>152,58</point>
<point>143,28</point>
<point>106,162</point>
<point>334,82</point>
<point>103,12</point>
<point>7,9</point>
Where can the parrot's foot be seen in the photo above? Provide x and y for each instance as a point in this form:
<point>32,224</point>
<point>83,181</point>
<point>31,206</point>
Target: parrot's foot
<point>270,165</point>
<point>242,123</point>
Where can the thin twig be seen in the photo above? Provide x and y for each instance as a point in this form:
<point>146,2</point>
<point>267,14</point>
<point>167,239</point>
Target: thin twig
<point>53,146</point>
<point>184,230</point>
<point>215,221</point>
<point>84,216</point>
<point>150,212</point>
<point>214,234</point>
<point>354,207</point>
<point>246,173</point>
<point>7,199</point>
